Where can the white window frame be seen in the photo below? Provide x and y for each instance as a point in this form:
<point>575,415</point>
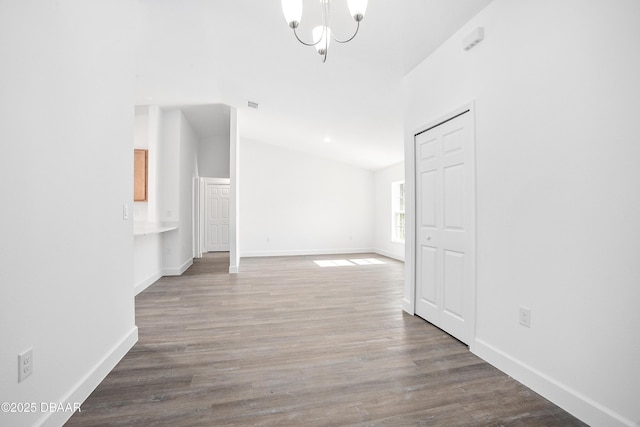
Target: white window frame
<point>398,199</point>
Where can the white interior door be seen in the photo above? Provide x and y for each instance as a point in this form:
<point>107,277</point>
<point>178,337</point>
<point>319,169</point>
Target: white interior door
<point>216,217</point>
<point>445,210</point>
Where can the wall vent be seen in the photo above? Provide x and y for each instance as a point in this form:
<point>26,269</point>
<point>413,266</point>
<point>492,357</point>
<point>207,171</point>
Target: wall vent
<point>473,39</point>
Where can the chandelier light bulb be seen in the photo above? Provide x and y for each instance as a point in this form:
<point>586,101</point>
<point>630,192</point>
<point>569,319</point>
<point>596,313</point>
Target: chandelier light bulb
<point>321,38</point>
<point>292,10</point>
<point>357,8</point>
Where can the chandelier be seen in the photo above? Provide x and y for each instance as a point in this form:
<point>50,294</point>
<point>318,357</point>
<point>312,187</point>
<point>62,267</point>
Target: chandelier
<point>321,35</point>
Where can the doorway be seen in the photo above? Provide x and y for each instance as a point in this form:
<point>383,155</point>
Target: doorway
<point>445,225</point>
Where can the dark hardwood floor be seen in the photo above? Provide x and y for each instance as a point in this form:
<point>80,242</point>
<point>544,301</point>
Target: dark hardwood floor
<point>289,343</point>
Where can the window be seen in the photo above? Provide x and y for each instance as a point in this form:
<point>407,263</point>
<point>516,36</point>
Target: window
<point>397,211</point>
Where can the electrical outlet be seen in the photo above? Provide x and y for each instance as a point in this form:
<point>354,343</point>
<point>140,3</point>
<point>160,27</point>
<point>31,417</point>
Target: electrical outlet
<point>25,365</point>
<point>525,317</point>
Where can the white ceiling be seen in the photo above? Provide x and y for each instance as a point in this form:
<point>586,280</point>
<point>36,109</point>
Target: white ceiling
<point>199,52</point>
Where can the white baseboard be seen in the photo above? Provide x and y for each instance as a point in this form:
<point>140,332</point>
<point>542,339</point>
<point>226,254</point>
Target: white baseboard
<point>90,381</point>
<point>407,306</point>
<point>234,269</point>
<point>297,252</point>
<point>398,257</point>
<point>177,271</point>
<point>144,284</point>
<point>582,407</point>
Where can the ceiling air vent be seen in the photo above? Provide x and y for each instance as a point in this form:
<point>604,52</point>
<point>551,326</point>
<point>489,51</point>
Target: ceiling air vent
<point>252,104</point>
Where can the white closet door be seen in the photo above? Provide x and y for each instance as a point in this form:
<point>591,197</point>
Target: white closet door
<point>445,194</point>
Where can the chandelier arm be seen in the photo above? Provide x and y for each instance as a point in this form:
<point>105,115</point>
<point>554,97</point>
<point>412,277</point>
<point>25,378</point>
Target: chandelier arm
<point>303,42</point>
<point>350,38</point>
<point>326,16</point>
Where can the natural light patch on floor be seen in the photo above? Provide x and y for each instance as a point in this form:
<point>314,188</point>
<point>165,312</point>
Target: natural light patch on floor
<point>344,262</point>
<point>368,261</point>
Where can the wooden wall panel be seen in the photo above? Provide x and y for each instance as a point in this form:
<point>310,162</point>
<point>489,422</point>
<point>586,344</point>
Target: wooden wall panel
<point>140,166</point>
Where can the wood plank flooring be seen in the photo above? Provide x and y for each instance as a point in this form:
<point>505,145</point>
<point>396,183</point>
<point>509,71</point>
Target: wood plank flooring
<point>289,343</point>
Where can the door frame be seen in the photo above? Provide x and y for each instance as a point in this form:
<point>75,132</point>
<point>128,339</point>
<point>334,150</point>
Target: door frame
<point>203,207</point>
<point>195,225</point>
<point>409,298</point>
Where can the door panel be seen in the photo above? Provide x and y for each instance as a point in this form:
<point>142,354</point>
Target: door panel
<point>445,194</point>
<point>428,150</point>
<point>453,283</point>
<point>453,141</point>
<point>429,195</point>
<point>453,194</point>
<point>429,280</point>
<point>213,235</point>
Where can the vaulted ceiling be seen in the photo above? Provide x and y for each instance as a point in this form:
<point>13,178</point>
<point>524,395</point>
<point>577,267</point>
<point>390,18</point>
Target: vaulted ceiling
<point>200,52</point>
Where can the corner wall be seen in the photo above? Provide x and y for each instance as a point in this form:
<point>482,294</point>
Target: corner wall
<point>179,166</point>
<point>556,94</point>
<point>67,85</point>
<point>188,172</point>
<point>147,250</point>
<point>213,156</point>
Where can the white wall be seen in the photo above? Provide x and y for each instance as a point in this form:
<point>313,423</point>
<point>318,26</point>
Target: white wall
<point>147,260</point>
<point>169,184</point>
<point>169,160</point>
<point>173,151</point>
<point>383,217</point>
<point>178,168</point>
<point>188,171</point>
<point>147,249</point>
<point>556,89</point>
<point>67,84</point>
<point>147,136</point>
<point>141,141</point>
<point>294,203</point>
<point>213,156</point>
